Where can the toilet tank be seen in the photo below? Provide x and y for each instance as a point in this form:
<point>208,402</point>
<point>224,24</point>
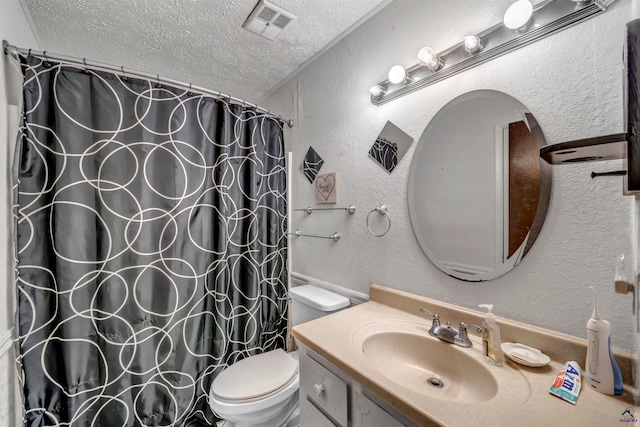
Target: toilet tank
<point>310,302</point>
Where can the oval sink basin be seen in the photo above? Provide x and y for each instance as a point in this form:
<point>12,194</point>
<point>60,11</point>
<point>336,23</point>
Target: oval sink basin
<point>425,366</point>
<point>406,354</point>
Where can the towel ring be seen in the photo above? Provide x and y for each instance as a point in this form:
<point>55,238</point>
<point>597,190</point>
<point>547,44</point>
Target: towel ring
<point>382,210</point>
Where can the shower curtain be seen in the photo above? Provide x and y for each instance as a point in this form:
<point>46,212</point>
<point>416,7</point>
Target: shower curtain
<point>151,246</point>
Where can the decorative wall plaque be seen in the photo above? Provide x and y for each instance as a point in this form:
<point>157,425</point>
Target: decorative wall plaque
<point>327,188</point>
<point>390,146</point>
<point>312,164</point>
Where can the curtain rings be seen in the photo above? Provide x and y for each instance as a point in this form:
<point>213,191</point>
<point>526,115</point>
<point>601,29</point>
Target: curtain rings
<point>46,62</point>
<point>382,210</point>
<point>124,75</point>
<point>86,67</point>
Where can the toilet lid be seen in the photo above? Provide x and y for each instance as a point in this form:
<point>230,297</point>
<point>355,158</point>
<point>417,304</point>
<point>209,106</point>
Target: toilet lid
<point>255,376</point>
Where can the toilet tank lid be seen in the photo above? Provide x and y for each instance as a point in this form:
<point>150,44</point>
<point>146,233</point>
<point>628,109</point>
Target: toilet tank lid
<point>318,298</point>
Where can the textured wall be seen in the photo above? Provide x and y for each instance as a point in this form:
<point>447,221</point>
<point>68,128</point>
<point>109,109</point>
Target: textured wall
<point>15,29</point>
<point>571,81</point>
<point>10,411</point>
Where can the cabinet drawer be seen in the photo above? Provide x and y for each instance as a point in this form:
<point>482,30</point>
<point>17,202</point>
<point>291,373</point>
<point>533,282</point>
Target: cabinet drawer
<point>368,414</point>
<point>323,388</point>
<point>311,416</point>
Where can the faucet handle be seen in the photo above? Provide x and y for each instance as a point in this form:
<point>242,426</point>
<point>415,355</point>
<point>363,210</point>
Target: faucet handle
<point>435,325</point>
<point>426,311</point>
<point>436,317</point>
<point>463,327</point>
<point>462,337</point>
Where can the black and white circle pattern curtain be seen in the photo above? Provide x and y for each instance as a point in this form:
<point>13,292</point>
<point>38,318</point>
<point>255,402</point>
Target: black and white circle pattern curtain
<point>151,246</point>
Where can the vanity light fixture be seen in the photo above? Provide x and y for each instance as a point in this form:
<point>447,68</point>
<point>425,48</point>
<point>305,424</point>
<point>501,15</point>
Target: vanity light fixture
<point>397,75</point>
<point>473,44</point>
<point>377,91</point>
<point>518,16</point>
<point>432,67</point>
<point>430,59</point>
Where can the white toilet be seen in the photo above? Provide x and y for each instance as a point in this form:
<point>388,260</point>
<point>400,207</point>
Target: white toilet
<point>262,390</point>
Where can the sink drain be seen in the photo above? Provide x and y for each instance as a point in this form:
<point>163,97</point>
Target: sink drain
<point>435,382</point>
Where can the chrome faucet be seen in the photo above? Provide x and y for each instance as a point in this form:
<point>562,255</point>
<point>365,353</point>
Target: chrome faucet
<point>447,333</point>
<point>435,324</point>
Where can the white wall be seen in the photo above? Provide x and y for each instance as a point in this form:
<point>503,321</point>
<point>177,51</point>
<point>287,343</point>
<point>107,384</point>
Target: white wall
<point>571,81</point>
<point>14,27</point>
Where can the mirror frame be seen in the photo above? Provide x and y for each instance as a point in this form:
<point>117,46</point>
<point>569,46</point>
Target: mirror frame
<point>543,202</point>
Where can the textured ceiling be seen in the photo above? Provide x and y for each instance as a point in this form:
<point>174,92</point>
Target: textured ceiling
<point>195,41</point>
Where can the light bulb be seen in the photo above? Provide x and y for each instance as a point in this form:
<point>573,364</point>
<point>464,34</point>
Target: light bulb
<point>397,74</point>
<point>518,15</point>
<point>377,91</point>
<point>428,58</point>
<point>473,44</point>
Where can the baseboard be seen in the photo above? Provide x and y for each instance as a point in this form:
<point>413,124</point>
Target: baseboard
<point>6,342</point>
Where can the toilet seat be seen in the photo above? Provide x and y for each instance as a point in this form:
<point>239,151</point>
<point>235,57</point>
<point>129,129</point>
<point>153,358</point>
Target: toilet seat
<point>249,408</point>
<point>255,377</point>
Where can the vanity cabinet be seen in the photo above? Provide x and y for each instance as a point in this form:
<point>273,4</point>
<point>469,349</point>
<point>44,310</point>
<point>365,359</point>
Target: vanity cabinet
<point>324,390</point>
<point>330,398</point>
<point>368,414</point>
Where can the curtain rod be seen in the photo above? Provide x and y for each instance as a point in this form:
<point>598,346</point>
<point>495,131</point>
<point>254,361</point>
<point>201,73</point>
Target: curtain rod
<point>16,51</point>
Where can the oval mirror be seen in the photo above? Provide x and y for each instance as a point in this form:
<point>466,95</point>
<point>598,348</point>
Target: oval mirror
<point>478,190</point>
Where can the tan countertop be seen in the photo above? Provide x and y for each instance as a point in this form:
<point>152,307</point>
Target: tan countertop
<point>523,396</point>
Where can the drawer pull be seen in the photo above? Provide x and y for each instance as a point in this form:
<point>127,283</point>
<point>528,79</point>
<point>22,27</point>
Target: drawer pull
<point>318,388</point>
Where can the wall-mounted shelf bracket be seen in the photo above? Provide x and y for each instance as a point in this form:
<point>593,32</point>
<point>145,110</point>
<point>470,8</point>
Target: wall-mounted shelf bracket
<point>624,288</point>
<point>608,147</point>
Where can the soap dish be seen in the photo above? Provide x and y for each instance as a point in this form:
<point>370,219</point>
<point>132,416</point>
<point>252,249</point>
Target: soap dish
<point>525,355</point>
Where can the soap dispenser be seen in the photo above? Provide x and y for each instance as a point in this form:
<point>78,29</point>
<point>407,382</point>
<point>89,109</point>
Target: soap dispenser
<point>491,343</point>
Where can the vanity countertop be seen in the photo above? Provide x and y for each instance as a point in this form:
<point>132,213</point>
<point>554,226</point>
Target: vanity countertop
<point>332,337</point>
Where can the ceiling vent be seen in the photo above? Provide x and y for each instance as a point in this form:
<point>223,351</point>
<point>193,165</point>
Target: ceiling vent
<point>268,20</point>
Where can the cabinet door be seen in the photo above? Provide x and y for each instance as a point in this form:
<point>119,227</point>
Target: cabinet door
<point>324,389</point>
<point>311,416</point>
<point>368,414</point>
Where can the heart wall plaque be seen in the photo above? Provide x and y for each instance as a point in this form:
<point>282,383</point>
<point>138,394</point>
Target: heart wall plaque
<point>327,188</point>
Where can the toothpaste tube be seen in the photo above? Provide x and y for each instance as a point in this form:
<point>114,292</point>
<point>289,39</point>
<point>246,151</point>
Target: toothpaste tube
<point>567,383</point>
